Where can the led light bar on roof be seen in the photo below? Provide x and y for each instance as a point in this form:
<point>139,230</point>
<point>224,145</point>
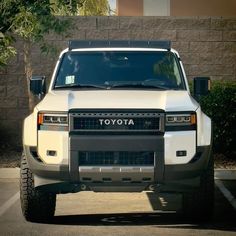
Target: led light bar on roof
<point>161,44</point>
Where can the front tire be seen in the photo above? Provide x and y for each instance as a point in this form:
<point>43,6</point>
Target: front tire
<point>37,206</point>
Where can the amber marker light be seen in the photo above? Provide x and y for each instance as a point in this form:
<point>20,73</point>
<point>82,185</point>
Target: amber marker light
<point>40,119</point>
<point>193,119</point>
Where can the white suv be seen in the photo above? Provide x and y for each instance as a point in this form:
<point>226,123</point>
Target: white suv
<point>118,117</point>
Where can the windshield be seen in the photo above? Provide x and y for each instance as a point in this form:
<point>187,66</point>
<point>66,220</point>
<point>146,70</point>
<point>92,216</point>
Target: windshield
<point>119,69</point>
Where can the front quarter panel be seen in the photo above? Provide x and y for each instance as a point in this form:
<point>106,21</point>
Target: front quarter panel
<point>30,130</point>
<point>204,129</point>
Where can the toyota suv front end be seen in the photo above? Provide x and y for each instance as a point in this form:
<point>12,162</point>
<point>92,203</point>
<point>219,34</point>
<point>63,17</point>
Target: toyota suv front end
<point>118,117</point>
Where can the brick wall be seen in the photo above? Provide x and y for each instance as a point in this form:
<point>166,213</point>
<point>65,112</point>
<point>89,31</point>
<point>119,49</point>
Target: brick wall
<point>207,46</point>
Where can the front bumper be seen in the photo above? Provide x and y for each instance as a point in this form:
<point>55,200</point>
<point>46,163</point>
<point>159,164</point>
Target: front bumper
<point>161,177</point>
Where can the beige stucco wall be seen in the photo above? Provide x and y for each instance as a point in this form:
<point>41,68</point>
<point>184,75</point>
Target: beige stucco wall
<point>203,8</point>
<point>129,8</point>
<point>156,7</point>
<point>176,7</point>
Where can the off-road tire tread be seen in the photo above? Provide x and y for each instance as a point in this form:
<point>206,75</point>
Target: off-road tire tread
<point>37,206</point>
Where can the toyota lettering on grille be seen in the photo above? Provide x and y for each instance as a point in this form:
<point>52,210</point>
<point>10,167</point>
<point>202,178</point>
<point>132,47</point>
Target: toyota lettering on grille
<point>116,122</point>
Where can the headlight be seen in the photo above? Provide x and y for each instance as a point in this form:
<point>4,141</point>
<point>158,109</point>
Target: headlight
<point>183,121</point>
<point>52,119</point>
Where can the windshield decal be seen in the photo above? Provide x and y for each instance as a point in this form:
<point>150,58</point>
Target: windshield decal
<point>70,79</point>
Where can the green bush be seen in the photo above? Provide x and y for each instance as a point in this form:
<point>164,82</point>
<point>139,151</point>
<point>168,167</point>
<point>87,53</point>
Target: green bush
<point>220,105</point>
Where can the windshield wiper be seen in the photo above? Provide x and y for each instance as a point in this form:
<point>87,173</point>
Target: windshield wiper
<point>115,85</point>
<point>80,86</point>
<point>135,85</point>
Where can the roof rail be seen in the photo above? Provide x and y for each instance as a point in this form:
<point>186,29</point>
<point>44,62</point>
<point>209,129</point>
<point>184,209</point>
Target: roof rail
<point>161,44</point>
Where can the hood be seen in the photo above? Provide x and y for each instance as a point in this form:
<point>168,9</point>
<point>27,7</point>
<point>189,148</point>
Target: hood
<point>121,99</point>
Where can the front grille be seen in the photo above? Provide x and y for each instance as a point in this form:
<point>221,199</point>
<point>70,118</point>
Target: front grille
<point>116,158</point>
<point>113,121</point>
<point>116,124</point>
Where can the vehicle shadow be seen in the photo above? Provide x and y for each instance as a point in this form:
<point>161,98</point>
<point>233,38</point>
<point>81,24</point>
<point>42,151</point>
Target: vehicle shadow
<point>223,218</point>
<point>157,219</point>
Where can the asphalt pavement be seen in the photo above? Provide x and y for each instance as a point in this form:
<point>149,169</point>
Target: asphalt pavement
<point>88,213</point>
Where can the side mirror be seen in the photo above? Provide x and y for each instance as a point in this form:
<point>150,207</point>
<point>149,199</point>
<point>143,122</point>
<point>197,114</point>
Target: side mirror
<point>38,85</point>
<point>201,86</point>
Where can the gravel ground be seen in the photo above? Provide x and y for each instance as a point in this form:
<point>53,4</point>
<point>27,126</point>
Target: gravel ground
<point>223,162</point>
<point>11,158</point>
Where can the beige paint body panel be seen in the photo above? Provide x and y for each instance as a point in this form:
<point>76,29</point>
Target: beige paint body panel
<point>203,129</point>
<point>30,130</point>
<point>54,141</point>
<point>144,99</point>
<point>179,141</point>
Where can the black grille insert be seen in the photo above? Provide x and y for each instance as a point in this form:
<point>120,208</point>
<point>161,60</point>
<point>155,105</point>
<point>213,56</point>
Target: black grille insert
<point>143,121</point>
<point>116,124</point>
<point>116,158</point>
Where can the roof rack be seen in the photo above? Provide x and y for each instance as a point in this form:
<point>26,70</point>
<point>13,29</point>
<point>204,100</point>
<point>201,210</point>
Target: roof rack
<point>161,44</point>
